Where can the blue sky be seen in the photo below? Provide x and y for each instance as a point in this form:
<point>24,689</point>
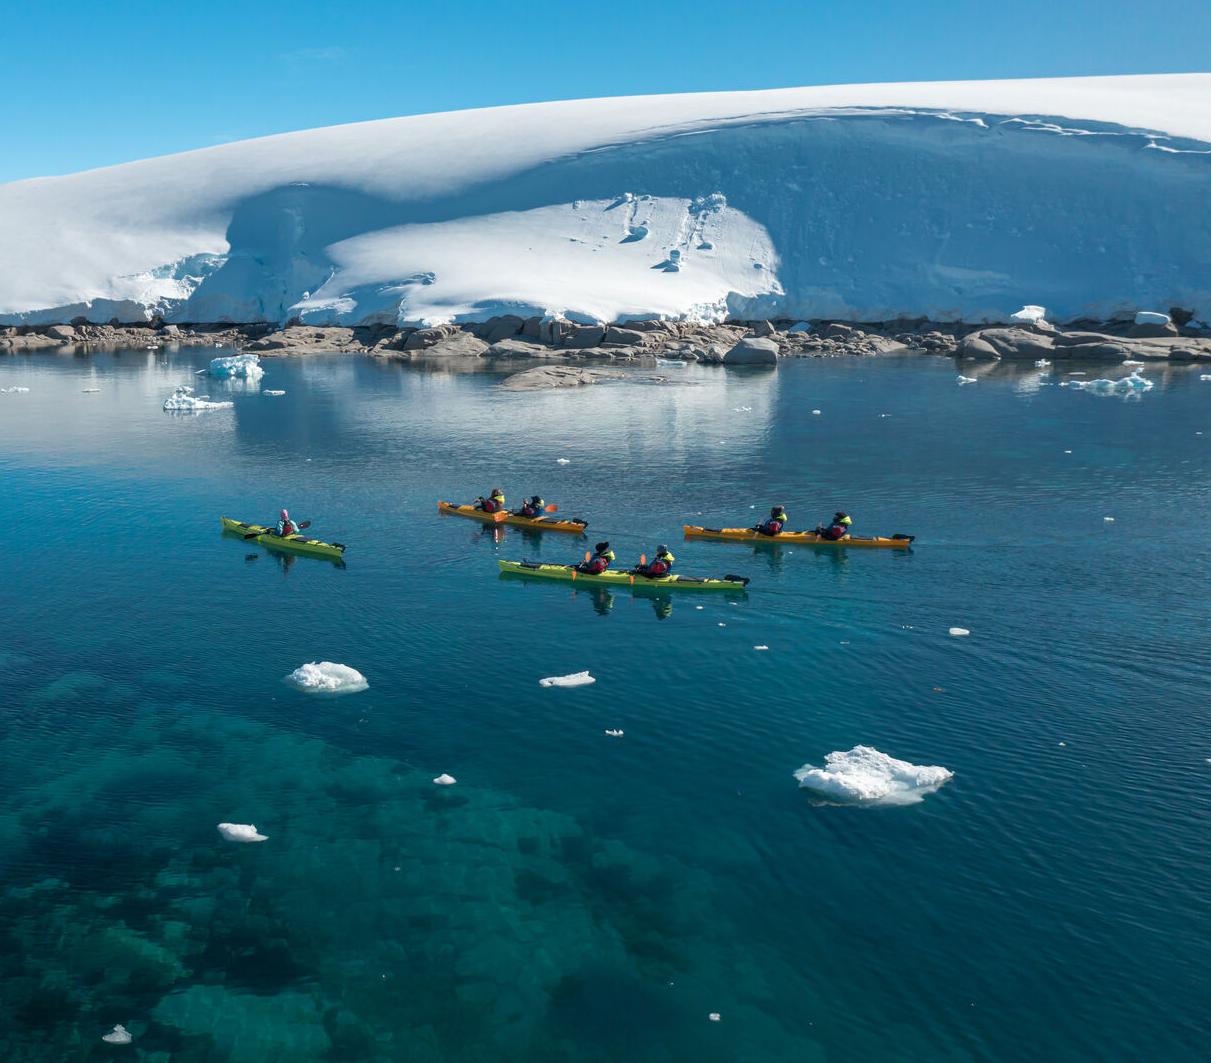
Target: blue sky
<point>90,84</point>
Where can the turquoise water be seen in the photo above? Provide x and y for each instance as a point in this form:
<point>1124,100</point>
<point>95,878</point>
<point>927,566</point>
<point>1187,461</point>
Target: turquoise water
<point>576,896</point>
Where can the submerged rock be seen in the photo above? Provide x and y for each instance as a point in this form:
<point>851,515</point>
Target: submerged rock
<point>547,377</point>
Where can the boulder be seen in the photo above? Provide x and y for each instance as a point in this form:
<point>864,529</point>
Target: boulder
<point>515,348</point>
<point>763,328</point>
<point>169,330</point>
<point>427,337</point>
<point>1152,330</point>
<point>65,333</point>
<point>582,336</point>
<point>752,350</point>
<point>622,337</point>
<point>1007,343</point>
<point>837,331</point>
<point>498,328</point>
<point>459,345</point>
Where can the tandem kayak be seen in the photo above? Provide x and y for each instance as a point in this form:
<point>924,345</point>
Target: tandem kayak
<point>575,526</point>
<point>296,544</point>
<point>620,578</point>
<point>747,535</point>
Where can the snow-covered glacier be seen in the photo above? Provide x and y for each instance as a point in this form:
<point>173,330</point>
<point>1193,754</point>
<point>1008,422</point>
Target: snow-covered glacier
<point>948,200</point>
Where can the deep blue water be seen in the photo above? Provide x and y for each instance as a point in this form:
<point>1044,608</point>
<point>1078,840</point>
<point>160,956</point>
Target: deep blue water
<point>575,896</point>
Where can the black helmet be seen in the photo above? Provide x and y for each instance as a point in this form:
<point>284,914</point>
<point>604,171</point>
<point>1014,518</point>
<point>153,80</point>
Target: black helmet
<point>776,510</point>
<point>601,548</point>
<point>496,491</point>
<point>840,515</point>
<point>662,549</point>
<point>536,498</point>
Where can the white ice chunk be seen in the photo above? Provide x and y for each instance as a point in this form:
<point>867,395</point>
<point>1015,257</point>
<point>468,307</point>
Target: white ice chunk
<point>1204,376</point>
<point>965,379</point>
<point>326,677</point>
<point>714,1016</point>
<point>1042,363</point>
<point>614,733</point>
<point>241,832</point>
<point>959,632</point>
<point>183,399</point>
<point>445,780</point>
<point>14,390</point>
<point>816,412</point>
<point>268,392</point>
<point>1151,317</point>
<point>1124,385</point>
<point>576,679</point>
<point>864,775</point>
<point>236,367</point>
<point>1133,363</point>
<point>1108,520</point>
<point>563,461</point>
<point>119,1035</point>
<point>91,391</point>
<point>1029,315</point>
<point>761,647</point>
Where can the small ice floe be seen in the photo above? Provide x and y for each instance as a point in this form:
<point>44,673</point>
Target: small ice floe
<point>327,677</point>
<point>119,1035</point>
<point>1029,315</point>
<point>1133,363</point>
<point>816,412</point>
<point>959,632</point>
<point>241,832</point>
<point>445,780</point>
<point>274,393</point>
<point>1077,372</point>
<point>961,379</point>
<point>236,367</point>
<point>761,647</point>
<point>866,776</point>
<point>700,607</point>
<point>714,1016</point>
<point>1124,385</point>
<point>1108,520</point>
<point>184,400</point>
<point>614,732</point>
<point>576,679</point>
<point>671,363</point>
<point>152,347</point>
<point>1068,452</point>
<point>743,409</point>
<point>1204,376</point>
<point>1042,363</point>
<point>13,390</point>
<point>91,391</point>
<point>722,624</point>
<point>563,461</point>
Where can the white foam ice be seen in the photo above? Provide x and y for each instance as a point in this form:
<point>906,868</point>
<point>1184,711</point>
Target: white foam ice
<point>576,679</point>
<point>864,775</point>
<point>236,367</point>
<point>241,832</point>
<point>184,400</point>
<point>327,677</point>
<point>959,632</point>
<point>445,780</point>
<point>119,1035</point>
<point>1132,384</point>
<point>965,379</point>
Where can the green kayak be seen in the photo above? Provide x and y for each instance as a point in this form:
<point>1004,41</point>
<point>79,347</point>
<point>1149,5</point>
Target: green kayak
<point>621,578</point>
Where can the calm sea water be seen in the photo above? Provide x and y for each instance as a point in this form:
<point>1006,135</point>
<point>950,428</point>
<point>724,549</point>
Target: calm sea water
<point>576,896</point>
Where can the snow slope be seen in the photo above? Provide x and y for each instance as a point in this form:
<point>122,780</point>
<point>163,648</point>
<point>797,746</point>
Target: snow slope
<point>947,200</point>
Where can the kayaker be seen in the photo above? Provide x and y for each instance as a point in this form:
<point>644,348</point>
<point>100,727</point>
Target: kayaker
<point>838,529</point>
<point>602,558</point>
<point>776,522</point>
<point>532,507</point>
<point>494,503</point>
<point>286,526</point>
<point>660,565</point>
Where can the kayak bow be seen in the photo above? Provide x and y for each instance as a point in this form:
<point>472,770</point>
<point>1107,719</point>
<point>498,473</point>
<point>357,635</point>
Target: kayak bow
<point>620,578</point>
<point>748,535</point>
<point>298,544</point>
<point>574,526</point>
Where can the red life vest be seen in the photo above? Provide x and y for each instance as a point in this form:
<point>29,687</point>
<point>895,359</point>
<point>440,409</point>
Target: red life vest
<point>657,568</point>
<point>773,527</point>
<point>835,531</point>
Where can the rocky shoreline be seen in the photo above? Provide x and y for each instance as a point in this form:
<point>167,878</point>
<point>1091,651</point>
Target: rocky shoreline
<point>1159,337</point>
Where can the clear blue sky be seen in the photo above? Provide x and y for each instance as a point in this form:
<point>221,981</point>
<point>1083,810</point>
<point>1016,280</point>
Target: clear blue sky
<point>89,84</point>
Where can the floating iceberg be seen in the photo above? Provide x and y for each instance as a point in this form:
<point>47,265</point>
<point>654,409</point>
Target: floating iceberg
<point>576,679</point>
<point>241,832</point>
<point>959,632</point>
<point>965,379</point>
<point>864,775</point>
<point>236,367</point>
<point>326,677</point>
<point>119,1035</point>
<point>183,399</point>
<point>445,780</point>
<point>1124,385</point>
<point>275,393</point>
<point>614,732</point>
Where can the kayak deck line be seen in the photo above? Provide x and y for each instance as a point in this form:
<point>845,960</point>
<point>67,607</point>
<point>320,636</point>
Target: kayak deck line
<point>619,578</point>
<point>749,535</point>
<point>298,544</point>
<point>575,526</point>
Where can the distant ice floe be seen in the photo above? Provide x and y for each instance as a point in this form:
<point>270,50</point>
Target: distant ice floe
<point>1124,385</point>
<point>1204,376</point>
<point>1108,520</point>
<point>714,1016</point>
<point>959,632</point>
<point>563,461</point>
<point>119,1035</point>
<point>236,367</point>
<point>184,400</point>
<point>275,393</point>
<point>761,647</point>
<point>614,732</point>
<point>445,780</point>
<point>91,391</point>
<point>576,679</point>
<point>864,775</point>
<point>327,677</point>
<point>1042,363</point>
<point>13,390</point>
<point>965,379</point>
<point>241,832</point>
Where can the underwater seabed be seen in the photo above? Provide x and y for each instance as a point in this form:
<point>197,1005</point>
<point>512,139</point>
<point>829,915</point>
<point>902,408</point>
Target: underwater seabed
<point>383,919</point>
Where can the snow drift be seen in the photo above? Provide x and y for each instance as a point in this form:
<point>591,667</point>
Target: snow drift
<point>868,202</point>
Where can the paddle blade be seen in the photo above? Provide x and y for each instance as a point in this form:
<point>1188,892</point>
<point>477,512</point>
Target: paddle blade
<point>587,557</point>
<point>305,524</point>
<point>552,508</point>
<point>643,559</point>
<point>500,515</point>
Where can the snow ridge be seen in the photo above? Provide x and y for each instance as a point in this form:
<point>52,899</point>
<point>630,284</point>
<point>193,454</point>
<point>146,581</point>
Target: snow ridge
<point>960,200</point>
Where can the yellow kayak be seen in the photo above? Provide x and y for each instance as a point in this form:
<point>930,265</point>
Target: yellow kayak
<point>748,535</point>
<point>576,527</point>
<point>296,544</point>
<point>621,578</point>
